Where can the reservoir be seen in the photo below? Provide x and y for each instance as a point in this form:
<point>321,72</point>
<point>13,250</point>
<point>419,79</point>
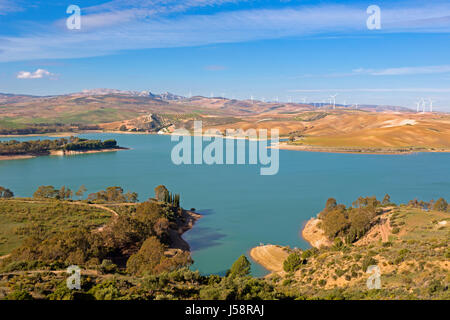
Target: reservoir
<point>241,208</point>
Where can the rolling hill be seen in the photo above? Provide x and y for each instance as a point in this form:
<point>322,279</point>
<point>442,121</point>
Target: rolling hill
<point>319,126</point>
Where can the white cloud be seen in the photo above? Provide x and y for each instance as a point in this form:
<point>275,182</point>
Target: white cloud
<point>38,74</point>
<point>128,25</point>
<point>400,71</point>
<point>7,6</point>
<point>405,70</point>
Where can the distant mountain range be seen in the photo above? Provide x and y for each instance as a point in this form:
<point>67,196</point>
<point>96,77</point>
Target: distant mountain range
<point>163,96</point>
<point>233,105</point>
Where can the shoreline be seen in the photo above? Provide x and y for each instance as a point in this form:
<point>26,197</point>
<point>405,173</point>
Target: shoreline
<point>270,257</point>
<point>314,235</point>
<point>59,153</point>
<point>17,157</point>
<point>309,148</point>
<point>63,153</point>
<point>280,145</point>
<point>176,235</point>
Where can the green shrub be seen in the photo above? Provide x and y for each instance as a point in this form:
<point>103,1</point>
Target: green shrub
<point>19,295</point>
<point>105,291</point>
<point>322,282</point>
<point>368,261</point>
<point>309,253</point>
<point>292,263</point>
<point>108,266</point>
<point>241,267</point>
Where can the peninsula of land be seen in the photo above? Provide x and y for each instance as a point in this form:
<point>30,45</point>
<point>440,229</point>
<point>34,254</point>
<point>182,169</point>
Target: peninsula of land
<point>13,149</point>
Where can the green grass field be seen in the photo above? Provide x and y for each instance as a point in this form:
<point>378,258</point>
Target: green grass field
<point>21,218</point>
<point>417,224</point>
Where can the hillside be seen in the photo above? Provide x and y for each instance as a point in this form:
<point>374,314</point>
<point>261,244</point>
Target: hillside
<point>371,129</point>
<point>408,243</point>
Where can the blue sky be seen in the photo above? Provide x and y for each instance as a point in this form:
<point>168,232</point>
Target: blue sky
<point>289,49</point>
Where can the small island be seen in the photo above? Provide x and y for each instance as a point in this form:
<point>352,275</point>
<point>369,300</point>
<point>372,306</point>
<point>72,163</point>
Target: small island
<point>14,149</point>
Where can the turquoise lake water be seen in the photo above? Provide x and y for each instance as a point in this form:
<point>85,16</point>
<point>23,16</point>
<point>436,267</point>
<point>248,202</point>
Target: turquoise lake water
<point>241,208</point>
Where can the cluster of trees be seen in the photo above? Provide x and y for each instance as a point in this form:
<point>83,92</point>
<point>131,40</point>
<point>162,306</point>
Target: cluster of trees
<point>164,195</point>
<point>349,223</point>
<point>113,194</point>
<point>85,144</point>
<point>110,195</point>
<point>135,242</point>
<point>43,147</point>
<point>5,193</point>
<point>33,147</point>
<point>352,223</point>
<point>50,192</point>
<point>438,205</point>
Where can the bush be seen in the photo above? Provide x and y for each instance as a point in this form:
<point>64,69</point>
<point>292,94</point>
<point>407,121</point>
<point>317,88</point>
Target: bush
<point>147,258</point>
<point>322,282</point>
<point>108,266</point>
<point>435,286</point>
<point>292,263</point>
<point>440,205</point>
<point>368,261</point>
<point>19,295</point>
<point>309,253</point>
<point>240,268</point>
<point>105,291</point>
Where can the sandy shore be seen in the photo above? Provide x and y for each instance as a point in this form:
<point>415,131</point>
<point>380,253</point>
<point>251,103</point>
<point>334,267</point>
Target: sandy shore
<point>315,235</point>
<point>59,153</point>
<point>17,157</point>
<point>271,257</point>
<point>72,153</point>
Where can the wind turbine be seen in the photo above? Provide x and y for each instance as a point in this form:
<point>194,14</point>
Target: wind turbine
<point>423,104</point>
<point>334,100</point>
<point>418,105</point>
<point>431,105</point>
